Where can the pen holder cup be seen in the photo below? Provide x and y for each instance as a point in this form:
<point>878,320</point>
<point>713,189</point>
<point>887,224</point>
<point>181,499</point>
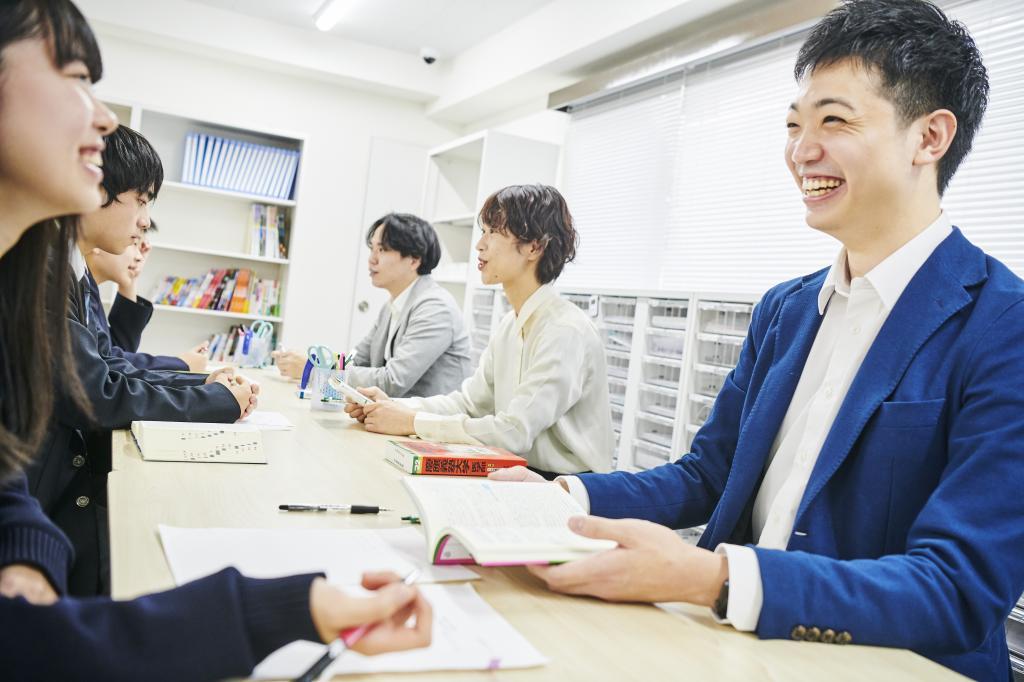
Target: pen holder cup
<point>255,352</point>
<point>321,394</point>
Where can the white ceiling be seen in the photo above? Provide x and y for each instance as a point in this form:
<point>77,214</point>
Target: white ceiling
<point>449,26</point>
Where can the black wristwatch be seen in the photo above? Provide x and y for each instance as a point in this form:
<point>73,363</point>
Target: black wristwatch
<point>721,606</point>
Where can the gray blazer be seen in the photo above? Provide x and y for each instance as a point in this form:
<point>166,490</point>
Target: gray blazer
<point>429,351</point>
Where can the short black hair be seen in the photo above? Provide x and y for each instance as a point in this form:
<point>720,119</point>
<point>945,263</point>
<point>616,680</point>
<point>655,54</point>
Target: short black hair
<point>130,164</point>
<point>409,235</point>
<point>534,213</point>
<point>925,62</point>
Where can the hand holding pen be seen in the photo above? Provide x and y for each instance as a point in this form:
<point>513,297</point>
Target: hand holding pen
<point>370,625</point>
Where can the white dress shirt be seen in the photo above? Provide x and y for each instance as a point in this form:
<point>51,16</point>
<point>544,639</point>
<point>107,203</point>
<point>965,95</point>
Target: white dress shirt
<point>540,391</point>
<point>397,305</point>
<point>854,311</point>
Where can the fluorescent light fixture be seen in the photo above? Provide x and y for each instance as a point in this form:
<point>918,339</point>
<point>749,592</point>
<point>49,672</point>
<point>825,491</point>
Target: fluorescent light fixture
<point>331,12</point>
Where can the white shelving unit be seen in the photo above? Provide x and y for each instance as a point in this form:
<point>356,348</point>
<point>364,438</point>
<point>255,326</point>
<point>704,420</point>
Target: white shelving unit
<point>460,176</point>
<point>201,228</point>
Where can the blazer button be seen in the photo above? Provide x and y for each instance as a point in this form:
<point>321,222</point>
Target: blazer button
<point>82,501</point>
<point>813,634</point>
<point>828,636</point>
<point>78,461</point>
<point>844,637</point>
<point>798,633</point>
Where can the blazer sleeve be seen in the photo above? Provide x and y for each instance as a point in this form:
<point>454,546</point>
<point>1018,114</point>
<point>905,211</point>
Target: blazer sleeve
<point>217,627</point>
<point>962,566</point>
<point>684,493</point>
<point>127,321</point>
<point>428,334</point>
<point>117,399</point>
<point>27,536</point>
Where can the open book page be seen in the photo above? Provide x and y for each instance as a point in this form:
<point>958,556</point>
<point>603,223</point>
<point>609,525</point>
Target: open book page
<point>342,554</point>
<point>499,518</point>
<point>199,442</point>
<point>468,635</point>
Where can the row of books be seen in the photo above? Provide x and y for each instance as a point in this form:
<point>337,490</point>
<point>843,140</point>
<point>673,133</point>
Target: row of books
<point>230,346</point>
<point>266,235</point>
<point>231,290</point>
<point>223,163</point>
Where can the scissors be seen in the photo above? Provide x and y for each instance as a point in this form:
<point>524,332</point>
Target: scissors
<point>321,356</point>
<point>261,329</point>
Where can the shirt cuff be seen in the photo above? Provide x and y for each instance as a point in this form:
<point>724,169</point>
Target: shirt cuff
<point>443,428</point>
<point>577,491</point>
<point>746,594</point>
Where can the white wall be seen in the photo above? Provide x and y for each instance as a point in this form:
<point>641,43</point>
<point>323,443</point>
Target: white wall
<point>338,124</point>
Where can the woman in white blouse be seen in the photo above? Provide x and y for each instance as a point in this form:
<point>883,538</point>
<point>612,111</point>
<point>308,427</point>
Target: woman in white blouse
<point>541,389</point>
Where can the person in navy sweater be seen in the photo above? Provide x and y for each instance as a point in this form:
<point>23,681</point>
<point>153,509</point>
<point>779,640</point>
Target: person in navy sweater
<point>220,626</point>
<point>132,177</point>
<point>860,473</point>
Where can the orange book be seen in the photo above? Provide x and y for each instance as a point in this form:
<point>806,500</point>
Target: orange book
<point>449,459</point>
<point>240,297</point>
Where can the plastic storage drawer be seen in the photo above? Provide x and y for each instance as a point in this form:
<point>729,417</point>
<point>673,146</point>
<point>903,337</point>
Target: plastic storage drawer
<point>667,314</point>
<point>659,400</point>
<point>617,337</point>
<point>585,302</point>
<point>665,343</point>
<point>649,455</point>
<point>617,363</point>
<point>618,309</point>
<point>708,379</point>
<point>700,408</point>
<point>719,317</point>
<point>617,417</point>
<point>718,349</point>
<point>483,298</point>
<point>617,391</point>
<point>654,429</point>
<point>662,371</point>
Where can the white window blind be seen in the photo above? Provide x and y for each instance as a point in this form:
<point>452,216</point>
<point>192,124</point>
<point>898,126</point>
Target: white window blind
<point>618,179</point>
<point>738,218</point>
<point>986,197</point>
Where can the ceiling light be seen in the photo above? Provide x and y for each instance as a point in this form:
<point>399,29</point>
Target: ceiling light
<point>331,12</point>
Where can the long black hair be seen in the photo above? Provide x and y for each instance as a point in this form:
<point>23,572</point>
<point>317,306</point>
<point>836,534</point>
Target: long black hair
<point>35,357</point>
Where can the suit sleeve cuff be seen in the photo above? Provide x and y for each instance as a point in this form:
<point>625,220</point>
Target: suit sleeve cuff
<point>444,428</point>
<point>746,593</point>
<point>577,491</point>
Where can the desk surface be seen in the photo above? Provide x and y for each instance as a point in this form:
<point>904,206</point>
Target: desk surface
<point>329,457</point>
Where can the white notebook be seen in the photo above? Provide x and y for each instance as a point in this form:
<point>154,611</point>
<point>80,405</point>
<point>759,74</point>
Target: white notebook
<point>195,442</point>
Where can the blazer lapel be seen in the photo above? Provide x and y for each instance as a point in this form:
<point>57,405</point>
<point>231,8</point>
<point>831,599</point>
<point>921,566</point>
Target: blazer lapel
<point>798,323</point>
<point>934,294</point>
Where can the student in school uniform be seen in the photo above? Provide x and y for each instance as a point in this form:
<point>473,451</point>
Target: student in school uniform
<point>541,390</point>
<point>418,345</point>
<point>216,627</point>
<point>861,472</point>
<point>132,176</point>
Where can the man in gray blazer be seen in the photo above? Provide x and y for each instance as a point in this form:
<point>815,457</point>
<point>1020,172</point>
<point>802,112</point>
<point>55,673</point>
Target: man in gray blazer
<point>418,346</point>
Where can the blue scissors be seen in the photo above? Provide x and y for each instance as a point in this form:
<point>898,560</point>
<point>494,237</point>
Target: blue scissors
<point>261,329</point>
<point>321,356</point>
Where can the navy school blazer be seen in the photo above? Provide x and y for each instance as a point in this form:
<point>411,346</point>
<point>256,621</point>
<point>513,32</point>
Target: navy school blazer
<point>121,334</point>
<point>911,529</point>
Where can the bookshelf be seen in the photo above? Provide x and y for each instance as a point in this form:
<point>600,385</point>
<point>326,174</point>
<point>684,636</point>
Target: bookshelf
<point>204,228</point>
<point>461,174</point>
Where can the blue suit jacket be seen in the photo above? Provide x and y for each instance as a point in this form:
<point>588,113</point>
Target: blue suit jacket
<point>128,319</point>
<point>911,530</point>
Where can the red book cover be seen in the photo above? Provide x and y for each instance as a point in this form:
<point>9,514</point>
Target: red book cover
<point>450,459</point>
<point>204,302</point>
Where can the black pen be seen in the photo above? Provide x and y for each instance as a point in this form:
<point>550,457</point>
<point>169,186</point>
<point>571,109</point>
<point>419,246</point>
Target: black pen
<point>348,508</point>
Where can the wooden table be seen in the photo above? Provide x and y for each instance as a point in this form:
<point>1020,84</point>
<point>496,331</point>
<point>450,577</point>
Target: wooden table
<point>329,457</point>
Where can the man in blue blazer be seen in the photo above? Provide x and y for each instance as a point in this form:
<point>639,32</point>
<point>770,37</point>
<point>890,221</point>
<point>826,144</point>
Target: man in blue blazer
<point>862,471</point>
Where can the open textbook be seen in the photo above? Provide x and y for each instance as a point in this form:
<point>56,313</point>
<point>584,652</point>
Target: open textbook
<point>195,442</point>
<point>499,523</point>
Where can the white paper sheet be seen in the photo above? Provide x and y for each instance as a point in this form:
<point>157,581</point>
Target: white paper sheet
<point>268,421</point>
<point>343,555</point>
<point>468,635</point>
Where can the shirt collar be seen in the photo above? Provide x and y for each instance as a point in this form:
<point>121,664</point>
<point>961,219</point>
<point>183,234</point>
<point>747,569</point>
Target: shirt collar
<point>532,304</point>
<point>890,277</point>
<point>398,302</point>
<point>77,262</point>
